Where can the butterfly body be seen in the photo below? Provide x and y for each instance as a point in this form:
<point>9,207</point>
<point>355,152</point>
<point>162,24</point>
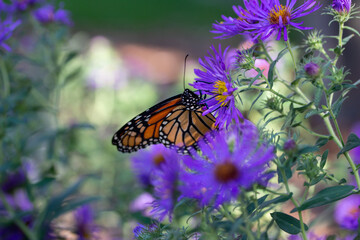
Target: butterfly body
<point>176,122</point>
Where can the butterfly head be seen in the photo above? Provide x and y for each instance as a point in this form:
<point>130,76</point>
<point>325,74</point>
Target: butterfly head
<point>190,100</point>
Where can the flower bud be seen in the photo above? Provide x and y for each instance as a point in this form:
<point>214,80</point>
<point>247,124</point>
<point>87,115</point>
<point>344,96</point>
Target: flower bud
<point>341,5</point>
<point>289,145</point>
<point>312,69</point>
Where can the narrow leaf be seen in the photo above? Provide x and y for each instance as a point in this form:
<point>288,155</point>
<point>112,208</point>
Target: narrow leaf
<point>353,141</point>
<point>324,158</point>
<point>326,196</point>
<point>287,223</point>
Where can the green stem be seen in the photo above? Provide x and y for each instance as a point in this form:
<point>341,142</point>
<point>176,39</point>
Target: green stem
<point>270,90</point>
<point>267,55</point>
<point>5,79</point>
<point>25,229</point>
<point>303,232</point>
<point>291,53</point>
<point>341,30</point>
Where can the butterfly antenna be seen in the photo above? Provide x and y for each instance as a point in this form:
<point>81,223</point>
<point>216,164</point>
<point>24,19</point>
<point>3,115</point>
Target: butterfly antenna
<point>185,69</point>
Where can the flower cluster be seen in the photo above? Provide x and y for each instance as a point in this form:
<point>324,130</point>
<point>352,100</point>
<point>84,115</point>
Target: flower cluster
<point>262,19</point>
<point>217,176</point>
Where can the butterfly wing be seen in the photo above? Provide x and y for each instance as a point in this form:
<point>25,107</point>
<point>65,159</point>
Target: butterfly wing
<point>182,128</point>
<point>143,129</point>
<point>177,122</point>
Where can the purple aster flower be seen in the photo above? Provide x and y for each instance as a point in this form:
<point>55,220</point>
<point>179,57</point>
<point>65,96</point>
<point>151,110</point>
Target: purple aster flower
<point>84,223</point>
<point>145,162</point>
<point>141,229</point>
<point>19,201</point>
<point>63,16</point>
<point>347,212</point>
<point>310,235</point>
<point>219,174</point>
<point>13,181</point>
<point>312,69</point>
<point>47,14</point>
<point>22,5</point>
<point>7,27</point>
<point>165,181</point>
<point>215,82</point>
<point>341,5</point>
<point>264,18</point>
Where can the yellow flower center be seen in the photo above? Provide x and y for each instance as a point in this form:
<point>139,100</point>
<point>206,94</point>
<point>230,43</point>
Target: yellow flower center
<point>277,12</point>
<point>220,89</point>
<point>226,171</point>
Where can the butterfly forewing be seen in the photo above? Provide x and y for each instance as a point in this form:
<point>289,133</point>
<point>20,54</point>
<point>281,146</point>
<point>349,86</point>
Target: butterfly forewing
<point>143,129</point>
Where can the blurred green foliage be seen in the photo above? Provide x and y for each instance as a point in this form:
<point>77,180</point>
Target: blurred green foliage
<point>145,15</point>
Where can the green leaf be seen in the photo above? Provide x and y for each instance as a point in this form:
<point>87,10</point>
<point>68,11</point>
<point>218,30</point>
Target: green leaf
<point>282,198</point>
<point>353,141</point>
<point>287,223</point>
<point>251,207</point>
<point>345,40</point>
<point>353,30</point>
<point>313,112</point>
<point>303,108</point>
<point>326,196</point>
<point>70,56</point>
<point>321,142</point>
<point>324,158</point>
<point>337,105</point>
<point>317,96</point>
<point>7,1</point>
<point>288,174</point>
<point>307,149</point>
<point>272,66</point>
<point>315,180</point>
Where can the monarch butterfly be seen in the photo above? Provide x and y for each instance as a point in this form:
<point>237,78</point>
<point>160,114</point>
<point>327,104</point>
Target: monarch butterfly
<point>176,122</point>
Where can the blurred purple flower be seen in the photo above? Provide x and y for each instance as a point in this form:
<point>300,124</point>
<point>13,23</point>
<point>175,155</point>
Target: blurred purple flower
<point>312,69</point>
<point>215,82</point>
<point>355,153</point>
<point>289,145</point>
<point>22,5</point>
<point>7,27</point>
<point>142,203</point>
<point>347,212</point>
<point>341,5</point>
<point>145,162</point>
<point>262,19</point>
<point>140,229</point>
<point>220,174</point>
<point>13,180</point>
<point>47,14</point>
<point>84,223</point>
<point>165,181</point>
<point>310,235</point>
<point>16,197</point>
